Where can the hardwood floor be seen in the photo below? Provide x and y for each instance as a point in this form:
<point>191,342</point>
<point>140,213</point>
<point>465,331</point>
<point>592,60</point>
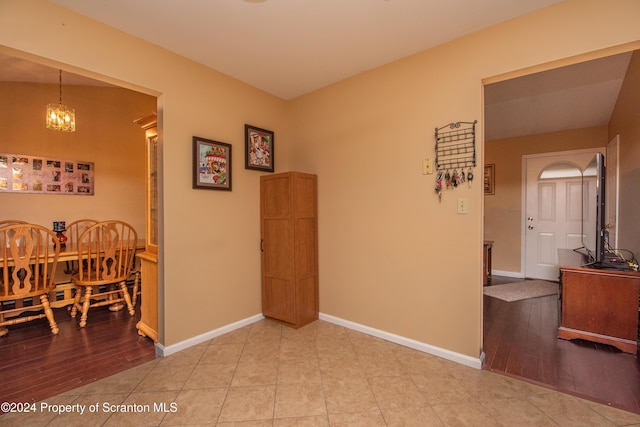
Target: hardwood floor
<point>36,365</point>
<point>520,340</point>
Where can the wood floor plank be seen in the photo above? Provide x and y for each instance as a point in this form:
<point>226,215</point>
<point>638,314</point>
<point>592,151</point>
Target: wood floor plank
<point>521,341</point>
<point>36,365</point>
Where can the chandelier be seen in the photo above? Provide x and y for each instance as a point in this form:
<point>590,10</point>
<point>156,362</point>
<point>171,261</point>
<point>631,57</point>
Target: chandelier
<point>59,117</point>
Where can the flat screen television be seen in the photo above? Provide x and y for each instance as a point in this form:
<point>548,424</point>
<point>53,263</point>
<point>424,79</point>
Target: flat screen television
<point>595,245</point>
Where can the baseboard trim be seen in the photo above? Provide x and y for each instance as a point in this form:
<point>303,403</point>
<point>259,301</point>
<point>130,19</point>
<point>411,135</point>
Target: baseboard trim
<point>514,274</point>
<point>199,339</point>
<point>477,363</point>
<point>462,359</point>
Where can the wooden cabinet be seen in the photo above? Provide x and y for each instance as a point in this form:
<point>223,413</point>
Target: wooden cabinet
<point>148,324</point>
<point>289,245</point>
<point>600,306</point>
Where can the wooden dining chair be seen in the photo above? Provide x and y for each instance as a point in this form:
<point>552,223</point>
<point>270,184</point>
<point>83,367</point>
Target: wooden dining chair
<point>28,263</point>
<point>105,252</point>
<point>5,222</point>
<point>74,230</point>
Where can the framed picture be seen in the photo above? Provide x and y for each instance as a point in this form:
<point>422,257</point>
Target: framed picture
<point>258,148</point>
<point>211,164</point>
<point>489,179</point>
<point>29,174</point>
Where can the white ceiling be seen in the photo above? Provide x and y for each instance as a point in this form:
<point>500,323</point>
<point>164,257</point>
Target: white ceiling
<point>291,47</point>
<point>572,97</point>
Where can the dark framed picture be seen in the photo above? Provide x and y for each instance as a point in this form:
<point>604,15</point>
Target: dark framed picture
<point>258,148</point>
<point>211,164</point>
<point>489,179</point>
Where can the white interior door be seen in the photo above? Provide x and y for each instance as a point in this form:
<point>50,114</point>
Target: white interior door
<point>611,190</point>
<point>554,208</point>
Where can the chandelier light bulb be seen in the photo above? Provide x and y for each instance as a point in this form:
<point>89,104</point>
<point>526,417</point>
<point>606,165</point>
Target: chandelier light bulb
<point>59,117</point>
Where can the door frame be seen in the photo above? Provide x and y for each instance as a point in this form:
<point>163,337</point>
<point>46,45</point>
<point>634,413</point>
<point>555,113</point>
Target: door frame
<point>523,202</point>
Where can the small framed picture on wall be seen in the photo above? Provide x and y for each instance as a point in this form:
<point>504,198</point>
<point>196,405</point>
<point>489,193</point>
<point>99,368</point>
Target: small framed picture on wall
<point>258,150</point>
<point>489,179</point>
<point>211,164</point>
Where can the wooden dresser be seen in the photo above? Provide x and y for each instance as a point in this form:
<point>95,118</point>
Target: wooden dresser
<point>598,305</point>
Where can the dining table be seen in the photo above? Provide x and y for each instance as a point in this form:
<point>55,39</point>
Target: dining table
<point>63,294</point>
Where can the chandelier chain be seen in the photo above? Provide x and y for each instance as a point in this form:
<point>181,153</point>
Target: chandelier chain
<point>60,83</point>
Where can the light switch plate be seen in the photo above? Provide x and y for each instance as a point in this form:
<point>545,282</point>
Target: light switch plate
<point>463,205</point>
<point>427,166</point>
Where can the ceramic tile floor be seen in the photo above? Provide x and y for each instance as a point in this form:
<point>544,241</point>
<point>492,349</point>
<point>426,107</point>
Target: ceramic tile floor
<point>266,374</point>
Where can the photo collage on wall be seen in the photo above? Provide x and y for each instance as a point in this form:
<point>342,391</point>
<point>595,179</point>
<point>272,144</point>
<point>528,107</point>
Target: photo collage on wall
<point>33,174</point>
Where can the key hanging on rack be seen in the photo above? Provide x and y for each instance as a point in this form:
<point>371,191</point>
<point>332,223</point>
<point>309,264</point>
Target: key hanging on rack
<point>447,178</point>
<point>470,177</point>
<point>439,185</point>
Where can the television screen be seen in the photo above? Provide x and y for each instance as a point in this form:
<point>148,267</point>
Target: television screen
<point>593,210</point>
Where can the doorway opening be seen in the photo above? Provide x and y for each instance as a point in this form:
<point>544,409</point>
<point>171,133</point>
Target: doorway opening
<point>122,183</point>
<point>543,113</point>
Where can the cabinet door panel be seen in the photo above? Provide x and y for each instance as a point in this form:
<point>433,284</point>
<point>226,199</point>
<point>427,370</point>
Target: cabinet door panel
<point>304,189</point>
<point>275,194</point>
<point>277,248</point>
<point>305,247</point>
<point>307,301</point>
<point>605,305</point>
<point>278,299</point>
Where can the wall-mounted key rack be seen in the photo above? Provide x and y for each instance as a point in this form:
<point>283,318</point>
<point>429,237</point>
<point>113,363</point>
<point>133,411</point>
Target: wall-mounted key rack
<point>456,146</point>
<point>455,155</point>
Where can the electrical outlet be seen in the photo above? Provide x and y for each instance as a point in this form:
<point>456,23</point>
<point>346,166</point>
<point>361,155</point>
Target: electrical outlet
<point>463,205</point>
<point>427,166</point>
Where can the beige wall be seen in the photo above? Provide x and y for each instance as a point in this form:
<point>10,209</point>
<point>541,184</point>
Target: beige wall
<point>105,135</point>
<point>210,259</point>
<point>625,122</point>
<point>503,211</point>
<point>391,256</point>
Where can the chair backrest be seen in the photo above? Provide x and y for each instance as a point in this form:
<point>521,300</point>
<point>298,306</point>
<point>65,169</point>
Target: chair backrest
<point>5,222</point>
<point>75,229</point>
<point>28,260</point>
<point>106,249</point>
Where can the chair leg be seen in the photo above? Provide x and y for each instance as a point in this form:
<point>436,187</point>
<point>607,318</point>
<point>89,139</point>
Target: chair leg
<point>76,301</point>
<point>127,299</point>
<point>3,331</point>
<point>85,306</point>
<point>136,287</point>
<point>49,313</point>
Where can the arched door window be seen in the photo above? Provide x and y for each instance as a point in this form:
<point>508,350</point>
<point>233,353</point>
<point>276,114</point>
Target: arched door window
<point>560,170</point>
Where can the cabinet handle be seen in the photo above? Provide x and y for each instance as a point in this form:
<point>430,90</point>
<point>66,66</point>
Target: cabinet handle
<point>261,247</point>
